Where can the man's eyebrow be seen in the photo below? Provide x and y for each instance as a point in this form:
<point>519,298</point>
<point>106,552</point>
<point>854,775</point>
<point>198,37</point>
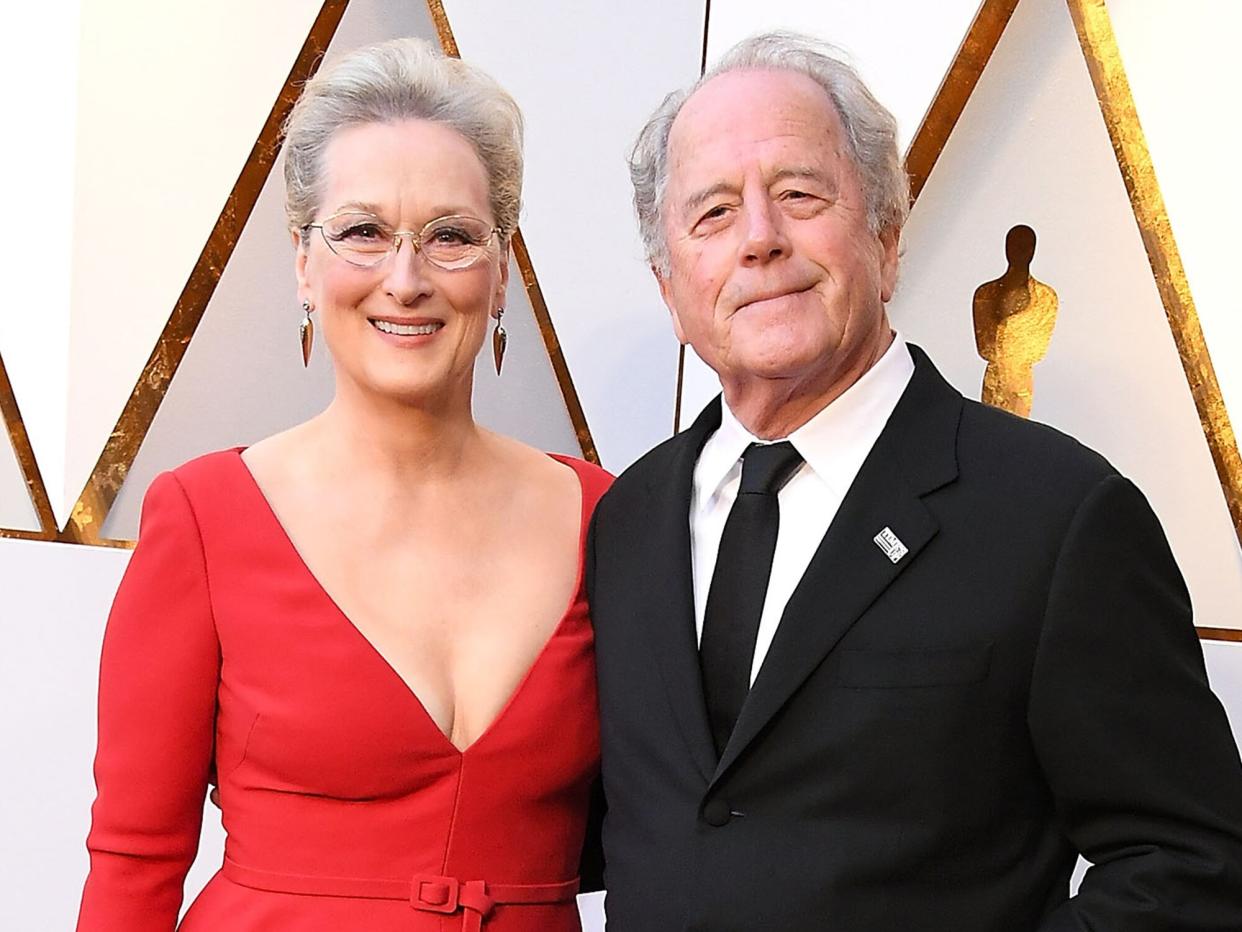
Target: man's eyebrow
<point>698,198</point>
<point>802,171</point>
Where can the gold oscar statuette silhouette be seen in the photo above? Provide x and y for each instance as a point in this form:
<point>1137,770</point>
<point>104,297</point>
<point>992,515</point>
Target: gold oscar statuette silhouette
<point>1014,316</point>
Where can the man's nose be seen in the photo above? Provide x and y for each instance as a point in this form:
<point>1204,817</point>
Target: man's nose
<point>765,234</point>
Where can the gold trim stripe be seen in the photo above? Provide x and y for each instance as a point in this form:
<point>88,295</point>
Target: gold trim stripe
<point>443,29</point>
<point>556,356</point>
<point>91,509</point>
<point>1220,634</point>
<point>1103,57</point>
<point>955,90</point>
<point>11,415</point>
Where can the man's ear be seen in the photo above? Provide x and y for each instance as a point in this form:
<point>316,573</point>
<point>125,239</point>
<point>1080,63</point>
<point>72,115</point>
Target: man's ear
<point>666,293</point>
<point>890,244</point>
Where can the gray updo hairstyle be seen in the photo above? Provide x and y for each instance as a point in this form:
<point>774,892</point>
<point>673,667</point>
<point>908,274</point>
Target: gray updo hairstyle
<point>400,80</point>
<point>870,131</point>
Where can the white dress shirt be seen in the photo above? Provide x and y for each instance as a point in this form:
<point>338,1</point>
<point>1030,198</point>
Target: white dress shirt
<point>834,444</point>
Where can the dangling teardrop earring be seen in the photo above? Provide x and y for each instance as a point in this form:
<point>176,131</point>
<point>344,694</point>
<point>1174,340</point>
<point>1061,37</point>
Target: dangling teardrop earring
<point>500,340</point>
<point>307,333</point>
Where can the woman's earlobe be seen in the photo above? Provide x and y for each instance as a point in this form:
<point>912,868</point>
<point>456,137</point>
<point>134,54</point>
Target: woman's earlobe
<point>299,264</point>
<point>503,286</point>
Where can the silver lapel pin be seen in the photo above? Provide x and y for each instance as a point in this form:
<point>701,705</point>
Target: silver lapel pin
<point>891,544</point>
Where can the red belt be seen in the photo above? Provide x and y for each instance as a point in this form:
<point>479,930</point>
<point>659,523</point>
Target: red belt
<point>428,893</point>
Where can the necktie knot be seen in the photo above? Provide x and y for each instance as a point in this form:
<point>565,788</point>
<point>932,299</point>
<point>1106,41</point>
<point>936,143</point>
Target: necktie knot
<point>766,467</point>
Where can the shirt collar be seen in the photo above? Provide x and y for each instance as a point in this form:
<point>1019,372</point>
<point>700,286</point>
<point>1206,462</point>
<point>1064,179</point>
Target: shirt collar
<point>834,442</point>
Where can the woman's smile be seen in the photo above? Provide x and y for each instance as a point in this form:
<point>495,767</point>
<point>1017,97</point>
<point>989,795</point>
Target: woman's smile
<point>406,333</point>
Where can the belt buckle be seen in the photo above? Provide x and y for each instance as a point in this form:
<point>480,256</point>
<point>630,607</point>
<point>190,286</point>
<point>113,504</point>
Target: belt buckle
<point>435,894</point>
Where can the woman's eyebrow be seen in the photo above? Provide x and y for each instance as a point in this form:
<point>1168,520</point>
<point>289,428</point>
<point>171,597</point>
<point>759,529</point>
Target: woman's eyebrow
<point>362,207</point>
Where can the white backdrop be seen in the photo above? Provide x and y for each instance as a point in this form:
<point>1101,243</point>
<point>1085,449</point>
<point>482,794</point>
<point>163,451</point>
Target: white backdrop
<point>146,112</point>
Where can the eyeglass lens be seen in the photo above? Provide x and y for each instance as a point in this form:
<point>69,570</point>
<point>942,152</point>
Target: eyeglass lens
<point>448,242</point>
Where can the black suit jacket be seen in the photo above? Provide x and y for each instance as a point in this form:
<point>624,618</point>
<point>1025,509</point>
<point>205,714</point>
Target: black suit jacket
<point>929,743</point>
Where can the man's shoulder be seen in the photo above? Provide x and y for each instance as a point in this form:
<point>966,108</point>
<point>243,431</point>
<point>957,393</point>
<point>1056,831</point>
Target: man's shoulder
<point>995,443</point>
<point>651,471</point>
<point>654,466</point>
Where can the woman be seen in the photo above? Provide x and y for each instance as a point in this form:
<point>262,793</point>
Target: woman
<point>358,628</point>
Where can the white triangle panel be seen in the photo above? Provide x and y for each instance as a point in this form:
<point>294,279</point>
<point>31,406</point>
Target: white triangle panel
<point>172,97</point>
<point>39,66</point>
<point>17,511</point>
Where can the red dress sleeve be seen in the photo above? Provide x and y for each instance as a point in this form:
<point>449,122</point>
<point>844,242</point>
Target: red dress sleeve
<point>157,698</point>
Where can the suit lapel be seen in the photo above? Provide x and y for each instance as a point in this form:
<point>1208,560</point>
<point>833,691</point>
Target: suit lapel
<point>671,633</point>
<point>844,577</point>
<point>915,454</point>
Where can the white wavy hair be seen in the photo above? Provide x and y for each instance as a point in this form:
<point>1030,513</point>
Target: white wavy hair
<point>870,131</point>
<point>399,80</point>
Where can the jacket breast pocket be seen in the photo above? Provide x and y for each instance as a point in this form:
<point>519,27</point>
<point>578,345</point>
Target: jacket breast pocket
<point>881,669</point>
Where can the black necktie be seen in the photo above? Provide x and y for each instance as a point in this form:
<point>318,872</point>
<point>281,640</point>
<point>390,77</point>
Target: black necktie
<point>740,583</point>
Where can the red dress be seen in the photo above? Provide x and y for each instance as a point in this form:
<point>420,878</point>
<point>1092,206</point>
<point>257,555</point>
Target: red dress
<point>345,805</point>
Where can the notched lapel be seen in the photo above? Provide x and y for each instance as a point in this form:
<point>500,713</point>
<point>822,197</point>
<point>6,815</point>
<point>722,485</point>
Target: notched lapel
<point>915,454</point>
<point>848,572</point>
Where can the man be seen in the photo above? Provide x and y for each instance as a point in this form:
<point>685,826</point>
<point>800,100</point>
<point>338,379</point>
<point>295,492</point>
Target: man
<point>873,657</point>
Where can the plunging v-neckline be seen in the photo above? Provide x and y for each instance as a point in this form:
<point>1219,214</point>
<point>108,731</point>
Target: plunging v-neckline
<point>321,590</point>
